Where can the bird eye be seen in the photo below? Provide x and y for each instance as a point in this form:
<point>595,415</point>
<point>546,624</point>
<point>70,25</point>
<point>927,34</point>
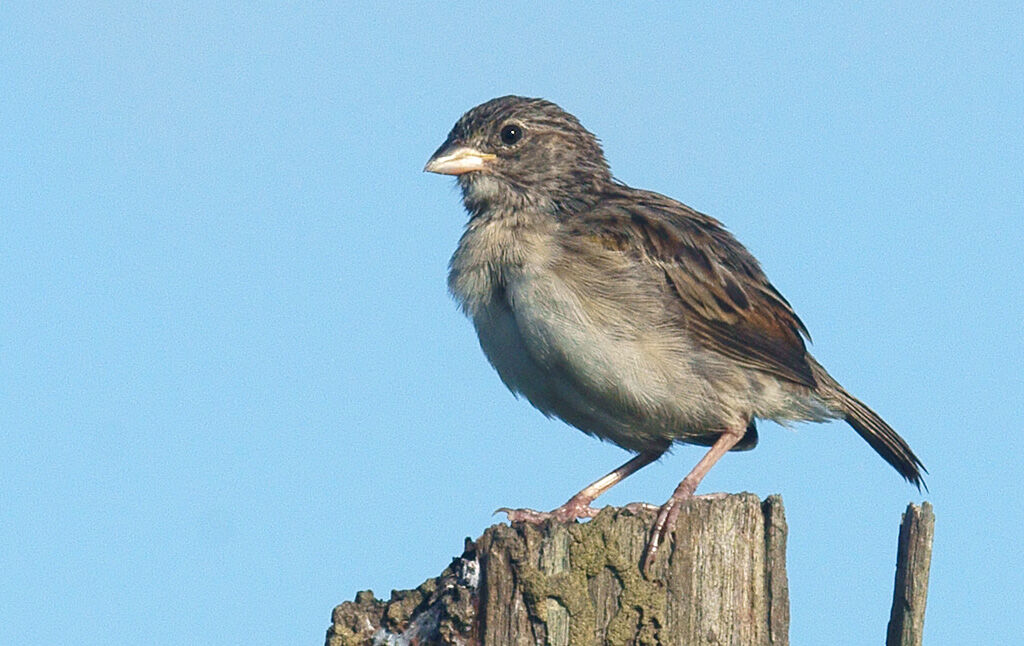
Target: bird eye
<point>510,134</point>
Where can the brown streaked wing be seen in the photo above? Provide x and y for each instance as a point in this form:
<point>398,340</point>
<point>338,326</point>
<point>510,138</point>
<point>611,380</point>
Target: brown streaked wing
<point>735,310</point>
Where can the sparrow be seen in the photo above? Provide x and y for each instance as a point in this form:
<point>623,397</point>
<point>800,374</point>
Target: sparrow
<point>623,312</point>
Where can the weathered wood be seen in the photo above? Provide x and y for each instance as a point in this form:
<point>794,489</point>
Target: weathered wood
<point>913,562</point>
<point>721,581</point>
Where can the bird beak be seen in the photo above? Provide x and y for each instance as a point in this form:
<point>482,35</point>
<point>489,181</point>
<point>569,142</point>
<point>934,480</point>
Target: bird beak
<point>458,161</point>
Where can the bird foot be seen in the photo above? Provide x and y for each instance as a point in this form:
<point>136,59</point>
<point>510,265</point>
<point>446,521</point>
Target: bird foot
<point>570,511</point>
<point>665,523</point>
<point>637,507</point>
<point>718,495</point>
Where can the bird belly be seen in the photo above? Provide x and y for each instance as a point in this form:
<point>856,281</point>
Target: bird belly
<point>605,357</point>
<point>635,388</point>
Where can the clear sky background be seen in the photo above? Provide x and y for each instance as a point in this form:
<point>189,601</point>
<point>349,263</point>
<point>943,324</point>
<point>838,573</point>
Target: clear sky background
<point>235,391</point>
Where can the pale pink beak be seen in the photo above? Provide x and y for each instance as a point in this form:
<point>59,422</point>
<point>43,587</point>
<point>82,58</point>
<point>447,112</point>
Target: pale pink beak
<point>458,161</point>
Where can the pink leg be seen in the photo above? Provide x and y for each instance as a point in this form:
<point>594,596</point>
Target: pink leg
<point>665,524</point>
<point>579,505</point>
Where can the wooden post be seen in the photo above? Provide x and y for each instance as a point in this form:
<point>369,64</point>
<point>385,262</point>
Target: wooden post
<point>913,561</point>
<point>721,581</point>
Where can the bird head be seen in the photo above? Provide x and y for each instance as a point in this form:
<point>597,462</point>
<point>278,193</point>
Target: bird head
<point>514,152</point>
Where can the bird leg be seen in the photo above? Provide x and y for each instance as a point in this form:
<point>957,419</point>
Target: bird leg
<point>665,524</point>
<point>579,505</point>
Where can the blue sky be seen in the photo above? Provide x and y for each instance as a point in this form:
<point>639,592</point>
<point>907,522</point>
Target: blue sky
<point>235,391</point>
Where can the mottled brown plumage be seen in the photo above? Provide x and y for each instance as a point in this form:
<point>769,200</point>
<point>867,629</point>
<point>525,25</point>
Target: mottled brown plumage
<point>732,306</point>
<point>624,312</point>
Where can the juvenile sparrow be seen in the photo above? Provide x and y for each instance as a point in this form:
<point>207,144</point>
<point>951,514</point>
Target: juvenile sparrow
<point>623,312</point>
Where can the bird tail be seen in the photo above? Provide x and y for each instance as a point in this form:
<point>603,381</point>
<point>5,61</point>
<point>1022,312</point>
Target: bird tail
<point>875,431</point>
<point>883,439</point>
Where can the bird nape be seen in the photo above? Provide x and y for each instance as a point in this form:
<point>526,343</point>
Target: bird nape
<point>623,312</point>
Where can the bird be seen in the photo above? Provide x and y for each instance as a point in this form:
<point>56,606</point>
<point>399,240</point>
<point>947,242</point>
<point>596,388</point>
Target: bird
<point>623,312</point>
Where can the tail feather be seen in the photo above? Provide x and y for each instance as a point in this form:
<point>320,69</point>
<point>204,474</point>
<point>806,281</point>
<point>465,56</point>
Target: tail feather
<point>883,439</point>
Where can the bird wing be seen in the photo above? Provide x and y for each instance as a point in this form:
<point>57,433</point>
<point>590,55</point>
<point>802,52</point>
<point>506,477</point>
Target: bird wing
<point>733,308</point>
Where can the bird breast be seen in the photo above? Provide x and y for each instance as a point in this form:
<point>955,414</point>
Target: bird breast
<point>563,332</point>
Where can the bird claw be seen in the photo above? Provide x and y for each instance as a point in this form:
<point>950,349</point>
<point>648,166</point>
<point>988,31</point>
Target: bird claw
<point>567,513</point>
<point>531,516</point>
<point>665,523</point>
<point>638,507</point>
<point>664,527</point>
<point>718,495</point>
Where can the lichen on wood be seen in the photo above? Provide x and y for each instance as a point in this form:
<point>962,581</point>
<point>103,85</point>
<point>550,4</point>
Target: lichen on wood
<point>722,580</point>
